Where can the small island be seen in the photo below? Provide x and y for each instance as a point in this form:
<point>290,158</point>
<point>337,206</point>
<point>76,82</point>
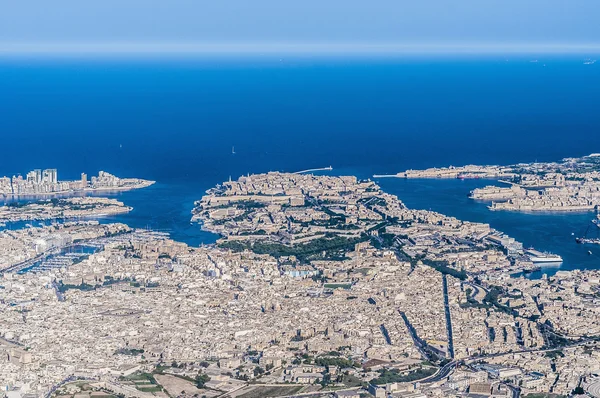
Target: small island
<point>46,183</point>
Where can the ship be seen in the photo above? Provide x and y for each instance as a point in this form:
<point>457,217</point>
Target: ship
<point>468,176</point>
<point>539,257</point>
<point>593,241</point>
<point>585,238</point>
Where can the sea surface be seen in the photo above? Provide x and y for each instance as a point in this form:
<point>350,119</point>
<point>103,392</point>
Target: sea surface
<point>179,121</point>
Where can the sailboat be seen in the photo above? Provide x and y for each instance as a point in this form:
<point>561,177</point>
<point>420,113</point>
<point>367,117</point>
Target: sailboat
<point>233,150</point>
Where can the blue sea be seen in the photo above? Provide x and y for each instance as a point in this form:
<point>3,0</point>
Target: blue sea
<point>176,121</point>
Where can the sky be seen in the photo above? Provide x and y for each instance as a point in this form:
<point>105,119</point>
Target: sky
<point>307,25</point>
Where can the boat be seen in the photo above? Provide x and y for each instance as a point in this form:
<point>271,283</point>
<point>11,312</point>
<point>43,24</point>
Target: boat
<point>593,241</point>
<point>589,61</point>
<point>539,257</point>
<point>585,238</point>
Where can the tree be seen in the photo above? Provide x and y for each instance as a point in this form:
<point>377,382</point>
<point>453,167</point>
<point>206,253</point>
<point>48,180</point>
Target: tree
<point>258,371</point>
<point>201,380</point>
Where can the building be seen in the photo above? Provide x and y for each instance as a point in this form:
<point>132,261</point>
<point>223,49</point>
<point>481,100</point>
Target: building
<point>50,176</point>
<point>480,388</point>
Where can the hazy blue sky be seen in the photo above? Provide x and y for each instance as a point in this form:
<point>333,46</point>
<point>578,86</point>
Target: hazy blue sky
<point>252,24</point>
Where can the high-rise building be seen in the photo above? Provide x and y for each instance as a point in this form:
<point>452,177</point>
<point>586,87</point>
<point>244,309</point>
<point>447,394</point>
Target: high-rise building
<point>34,176</point>
<point>31,177</point>
<point>50,176</point>
<point>83,180</point>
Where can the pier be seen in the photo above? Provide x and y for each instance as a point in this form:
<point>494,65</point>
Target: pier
<point>387,176</point>
<point>311,170</point>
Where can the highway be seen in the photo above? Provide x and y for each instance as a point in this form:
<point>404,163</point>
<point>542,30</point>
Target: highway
<point>445,370</point>
<point>594,389</point>
<point>442,373</point>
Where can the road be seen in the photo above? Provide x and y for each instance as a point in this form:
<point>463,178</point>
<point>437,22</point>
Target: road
<point>477,292</point>
<point>516,391</point>
<point>442,373</point>
<point>448,317</point>
<point>312,394</point>
<point>445,370</point>
<point>594,389</point>
<point>58,385</point>
<point>420,344</point>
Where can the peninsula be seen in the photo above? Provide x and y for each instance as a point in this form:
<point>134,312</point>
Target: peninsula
<point>308,218</point>
<point>572,184</point>
<point>68,208</point>
<point>46,183</point>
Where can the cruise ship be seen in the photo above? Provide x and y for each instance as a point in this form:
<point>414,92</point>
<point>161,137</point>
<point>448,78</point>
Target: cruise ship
<point>539,257</point>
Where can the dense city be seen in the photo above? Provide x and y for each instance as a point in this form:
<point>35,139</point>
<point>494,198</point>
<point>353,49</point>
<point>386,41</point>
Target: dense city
<point>318,286</point>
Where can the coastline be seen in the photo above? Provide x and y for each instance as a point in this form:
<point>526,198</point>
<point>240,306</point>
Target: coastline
<point>67,218</point>
<point>552,210</point>
<point>78,191</point>
<point>73,208</point>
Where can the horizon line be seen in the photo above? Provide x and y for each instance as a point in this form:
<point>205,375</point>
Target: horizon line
<point>247,48</point>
